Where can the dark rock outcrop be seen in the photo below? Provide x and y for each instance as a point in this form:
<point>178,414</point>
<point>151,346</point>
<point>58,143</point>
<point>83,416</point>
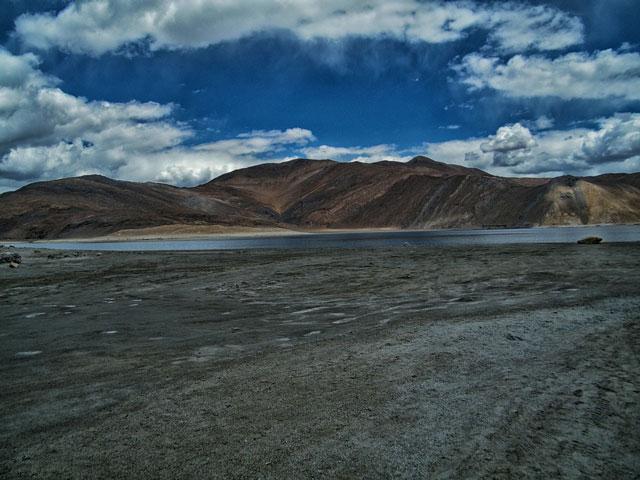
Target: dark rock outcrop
<point>590,241</point>
<point>10,258</point>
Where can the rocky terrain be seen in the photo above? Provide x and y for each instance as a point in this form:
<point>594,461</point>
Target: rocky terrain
<point>458,362</point>
<point>319,194</point>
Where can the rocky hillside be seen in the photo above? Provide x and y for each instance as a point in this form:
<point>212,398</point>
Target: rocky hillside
<point>94,205</point>
<point>418,194</point>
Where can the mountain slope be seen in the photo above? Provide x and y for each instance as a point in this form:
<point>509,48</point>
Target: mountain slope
<point>95,205</point>
<point>421,193</point>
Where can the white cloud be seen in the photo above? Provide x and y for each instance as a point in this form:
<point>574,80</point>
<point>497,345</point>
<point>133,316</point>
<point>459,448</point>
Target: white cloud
<point>509,138</point>
<point>617,139</point>
<point>599,75</point>
<point>519,27</point>
<point>20,70</point>
<point>542,123</point>
<point>614,145</point>
<point>457,152</point>
<point>200,163</point>
<point>46,133</point>
<point>99,26</point>
<point>375,153</point>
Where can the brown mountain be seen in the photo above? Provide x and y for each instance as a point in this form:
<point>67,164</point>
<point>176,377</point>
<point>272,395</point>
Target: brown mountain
<point>421,193</point>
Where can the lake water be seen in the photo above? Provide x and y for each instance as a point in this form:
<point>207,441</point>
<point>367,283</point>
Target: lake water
<point>610,233</point>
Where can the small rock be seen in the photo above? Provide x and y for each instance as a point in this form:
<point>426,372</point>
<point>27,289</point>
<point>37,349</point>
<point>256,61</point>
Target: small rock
<point>13,265</point>
<point>10,258</point>
<point>590,241</point>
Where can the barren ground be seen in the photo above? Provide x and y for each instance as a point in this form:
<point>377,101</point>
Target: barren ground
<point>483,362</point>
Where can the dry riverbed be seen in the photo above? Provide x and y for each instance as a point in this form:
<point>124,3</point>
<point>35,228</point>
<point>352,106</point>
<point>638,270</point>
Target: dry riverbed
<point>479,362</point>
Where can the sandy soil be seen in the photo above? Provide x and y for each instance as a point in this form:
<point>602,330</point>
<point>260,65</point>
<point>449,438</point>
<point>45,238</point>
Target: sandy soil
<point>483,362</point>
<point>186,232</point>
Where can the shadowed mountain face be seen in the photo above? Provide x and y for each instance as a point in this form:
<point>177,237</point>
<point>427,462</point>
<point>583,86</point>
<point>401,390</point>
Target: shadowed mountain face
<point>418,194</point>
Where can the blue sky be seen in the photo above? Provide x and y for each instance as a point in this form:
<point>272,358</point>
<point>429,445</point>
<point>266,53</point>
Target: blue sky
<point>181,92</point>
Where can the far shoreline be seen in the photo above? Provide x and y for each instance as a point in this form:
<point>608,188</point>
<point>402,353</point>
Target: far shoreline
<point>214,232</point>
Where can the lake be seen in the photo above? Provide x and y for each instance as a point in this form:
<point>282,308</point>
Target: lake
<point>610,233</point>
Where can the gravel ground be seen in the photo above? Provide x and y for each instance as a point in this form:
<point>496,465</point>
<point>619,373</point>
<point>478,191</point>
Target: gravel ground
<point>517,361</point>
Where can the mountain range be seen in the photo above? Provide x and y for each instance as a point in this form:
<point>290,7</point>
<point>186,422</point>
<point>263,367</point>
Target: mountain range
<point>320,194</point>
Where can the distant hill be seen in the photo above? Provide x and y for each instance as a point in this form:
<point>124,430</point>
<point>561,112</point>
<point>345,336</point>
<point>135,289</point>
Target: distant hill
<point>312,194</point>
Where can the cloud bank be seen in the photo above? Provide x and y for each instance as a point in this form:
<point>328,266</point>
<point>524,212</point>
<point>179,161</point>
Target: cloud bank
<point>597,75</point>
<point>613,145</point>
<point>99,26</point>
<point>46,133</point>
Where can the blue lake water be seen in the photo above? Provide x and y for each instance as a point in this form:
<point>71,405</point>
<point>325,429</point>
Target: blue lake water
<point>610,233</point>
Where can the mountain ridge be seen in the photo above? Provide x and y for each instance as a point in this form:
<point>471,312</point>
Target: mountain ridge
<point>314,194</point>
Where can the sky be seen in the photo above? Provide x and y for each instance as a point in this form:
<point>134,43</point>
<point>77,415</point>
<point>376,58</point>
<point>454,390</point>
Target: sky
<point>183,91</point>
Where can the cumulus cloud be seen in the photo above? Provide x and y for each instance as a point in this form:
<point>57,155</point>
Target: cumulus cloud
<point>617,139</point>
<point>509,138</point>
<point>613,145</point>
<point>99,26</point>
<point>599,75</point>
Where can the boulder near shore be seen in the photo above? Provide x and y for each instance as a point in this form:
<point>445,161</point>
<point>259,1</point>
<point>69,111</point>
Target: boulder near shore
<point>590,241</point>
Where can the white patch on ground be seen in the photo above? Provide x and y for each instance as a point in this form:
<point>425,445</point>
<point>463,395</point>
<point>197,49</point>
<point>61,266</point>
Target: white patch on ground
<point>308,310</point>
<point>110,332</point>
<point>30,353</point>
<point>315,332</point>
<point>208,352</point>
<point>343,320</point>
<point>155,339</point>
<point>34,315</point>
<point>69,306</point>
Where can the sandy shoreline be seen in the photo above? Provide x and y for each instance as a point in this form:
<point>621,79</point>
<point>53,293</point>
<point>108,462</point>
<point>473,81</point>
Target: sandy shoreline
<point>497,362</point>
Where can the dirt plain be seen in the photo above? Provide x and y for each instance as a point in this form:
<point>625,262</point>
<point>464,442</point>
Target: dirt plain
<point>518,361</point>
